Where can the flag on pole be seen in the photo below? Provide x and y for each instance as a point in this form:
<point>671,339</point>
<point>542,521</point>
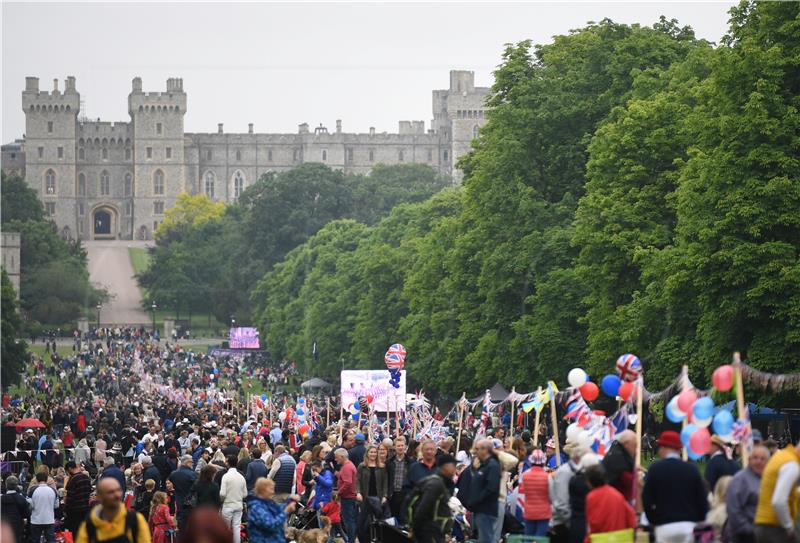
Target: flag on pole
<point>484,415</point>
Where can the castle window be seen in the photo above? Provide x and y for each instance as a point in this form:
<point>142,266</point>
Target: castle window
<point>169,152</point>
<point>158,128</point>
<point>60,152</point>
<point>81,185</point>
<point>128,187</point>
<point>350,155</point>
<point>294,155</point>
<point>50,208</point>
<point>430,155</point>
<point>105,153</point>
<point>475,132</point>
<point>81,209</point>
<point>49,127</point>
<point>444,155</point>
<point>324,155</point>
<point>127,154</point>
<point>209,154</point>
<point>269,155</point>
<point>128,209</point>
<point>40,152</point>
<point>371,155</point>
<point>238,155</point>
<point>50,182</point>
<point>400,156</point>
<point>158,208</point>
<point>158,182</point>
<point>105,184</point>
<point>149,152</point>
<point>209,186</point>
<point>238,184</point>
<point>81,153</point>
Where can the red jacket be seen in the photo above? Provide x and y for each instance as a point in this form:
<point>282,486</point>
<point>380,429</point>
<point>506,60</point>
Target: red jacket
<point>333,511</point>
<point>534,486</point>
<point>347,481</point>
<point>607,511</point>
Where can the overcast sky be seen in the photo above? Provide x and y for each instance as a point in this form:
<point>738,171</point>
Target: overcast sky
<point>278,65</point>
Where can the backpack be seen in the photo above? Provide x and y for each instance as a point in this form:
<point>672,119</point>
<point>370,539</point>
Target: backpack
<point>131,525</point>
<point>413,499</point>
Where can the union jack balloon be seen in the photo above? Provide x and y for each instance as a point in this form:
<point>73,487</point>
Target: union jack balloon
<point>629,367</point>
<point>393,361</point>
<point>397,349</point>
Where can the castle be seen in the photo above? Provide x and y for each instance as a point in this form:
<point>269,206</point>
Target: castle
<point>103,180</point>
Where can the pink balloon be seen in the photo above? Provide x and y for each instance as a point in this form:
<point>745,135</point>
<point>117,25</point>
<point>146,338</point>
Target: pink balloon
<point>686,400</point>
<point>700,441</point>
<point>722,378</point>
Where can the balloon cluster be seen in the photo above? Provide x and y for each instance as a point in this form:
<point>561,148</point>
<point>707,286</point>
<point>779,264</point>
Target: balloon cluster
<point>300,411</point>
<point>699,414</point>
<point>362,402</point>
<point>629,369</point>
<point>395,358</point>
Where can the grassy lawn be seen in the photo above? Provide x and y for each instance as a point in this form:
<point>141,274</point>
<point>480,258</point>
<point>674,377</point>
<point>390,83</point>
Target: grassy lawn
<point>140,259</point>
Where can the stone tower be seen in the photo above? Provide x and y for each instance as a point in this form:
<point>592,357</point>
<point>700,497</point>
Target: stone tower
<point>50,134</point>
<point>158,152</point>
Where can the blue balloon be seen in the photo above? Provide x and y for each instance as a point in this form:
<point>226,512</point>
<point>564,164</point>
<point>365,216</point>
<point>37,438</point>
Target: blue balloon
<point>263,397</point>
<point>355,416</point>
<point>216,371</point>
<point>703,408</point>
<point>610,385</point>
<point>693,455</point>
<point>723,423</point>
<point>199,403</point>
<point>686,433</point>
<point>356,405</point>
<point>672,415</point>
<point>299,411</point>
<point>301,401</point>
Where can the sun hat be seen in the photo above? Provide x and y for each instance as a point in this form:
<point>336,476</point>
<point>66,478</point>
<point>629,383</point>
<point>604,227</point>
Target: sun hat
<point>670,440</point>
<point>537,458</point>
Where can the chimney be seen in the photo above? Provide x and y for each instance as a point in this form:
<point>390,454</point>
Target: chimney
<point>32,84</point>
<point>136,85</point>
<point>250,128</point>
<point>219,128</point>
<point>69,84</point>
<point>338,126</point>
<point>55,85</point>
<point>371,130</point>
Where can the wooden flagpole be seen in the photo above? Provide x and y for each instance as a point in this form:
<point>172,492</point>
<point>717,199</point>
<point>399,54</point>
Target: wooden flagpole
<point>555,427</point>
<point>638,459</point>
<point>396,416</point>
<point>742,407</point>
<point>511,423</point>
<point>341,421</point>
<point>460,420</point>
<point>327,412</point>
<point>536,422</point>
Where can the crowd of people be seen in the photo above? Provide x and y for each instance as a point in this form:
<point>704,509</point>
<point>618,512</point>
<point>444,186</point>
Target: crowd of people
<point>144,441</point>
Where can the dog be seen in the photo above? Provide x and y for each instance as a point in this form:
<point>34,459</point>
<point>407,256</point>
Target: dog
<point>317,535</point>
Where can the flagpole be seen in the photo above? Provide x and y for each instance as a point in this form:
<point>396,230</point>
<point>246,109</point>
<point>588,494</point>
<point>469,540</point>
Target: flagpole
<point>555,427</point>
<point>536,421</point>
<point>460,420</point>
<point>341,420</point>
<point>327,412</point>
<point>742,407</point>
<point>511,423</point>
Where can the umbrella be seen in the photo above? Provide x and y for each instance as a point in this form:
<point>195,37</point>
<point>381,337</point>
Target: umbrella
<point>29,423</point>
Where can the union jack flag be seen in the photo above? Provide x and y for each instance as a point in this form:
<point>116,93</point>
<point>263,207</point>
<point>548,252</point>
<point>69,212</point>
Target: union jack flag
<point>485,417</point>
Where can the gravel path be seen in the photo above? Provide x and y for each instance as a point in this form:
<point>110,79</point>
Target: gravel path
<point>110,267</point>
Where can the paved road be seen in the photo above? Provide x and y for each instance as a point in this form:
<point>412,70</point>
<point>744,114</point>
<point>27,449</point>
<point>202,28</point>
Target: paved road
<point>110,267</point>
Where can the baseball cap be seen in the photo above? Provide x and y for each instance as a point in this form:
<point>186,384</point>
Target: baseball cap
<point>360,437</point>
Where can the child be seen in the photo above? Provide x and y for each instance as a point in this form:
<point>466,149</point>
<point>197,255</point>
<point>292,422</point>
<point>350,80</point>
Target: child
<point>333,510</point>
<point>143,500</point>
<point>161,522</point>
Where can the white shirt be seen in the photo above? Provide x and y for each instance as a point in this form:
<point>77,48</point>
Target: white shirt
<point>233,489</point>
<point>44,502</point>
<point>787,479</point>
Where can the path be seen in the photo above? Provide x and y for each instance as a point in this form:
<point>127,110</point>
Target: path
<point>110,267</point>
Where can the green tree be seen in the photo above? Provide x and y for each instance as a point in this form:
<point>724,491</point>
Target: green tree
<point>188,212</point>
<point>19,201</point>
<point>15,351</point>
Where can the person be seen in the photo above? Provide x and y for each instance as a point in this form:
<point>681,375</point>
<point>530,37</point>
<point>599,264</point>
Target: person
<point>323,486</point>
<point>206,490</point>
<point>674,494</point>
<point>255,470</point>
<point>607,510</point>
<point>302,471</point>
<point>333,510</point>
<point>111,469</point>
<point>79,489</point>
<point>484,490</point>
<point>559,492</point>
<point>534,486</point>
<point>44,502</point>
<point>233,491</point>
<point>282,472</point>
<point>110,521</point>
<point>618,463</point>
<point>207,526</point>
<point>719,464</point>
<point>358,450</point>
<point>396,470</point>
<point>82,452</point>
<point>145,499</point>
<point>508,463</point>
<point>16,509</point>
<point>182,480</point>
<point>578,490</point>
<point>432,519</point>
<point>346,488</point>
<point>776,512</point>
<point>742,498</point>
<point>718,514</point>
<point>161,522</point>
<point>275,435</point>
<point>553,460</point>
<point>265,517</point>
<point>425,466</point>
<point>371,490</point>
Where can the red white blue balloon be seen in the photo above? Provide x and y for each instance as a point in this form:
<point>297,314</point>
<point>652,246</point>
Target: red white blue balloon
<point>629,367</point>
<point>395,358</point>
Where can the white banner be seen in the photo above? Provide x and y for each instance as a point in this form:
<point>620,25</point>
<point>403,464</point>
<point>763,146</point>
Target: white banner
<point>375,383</point>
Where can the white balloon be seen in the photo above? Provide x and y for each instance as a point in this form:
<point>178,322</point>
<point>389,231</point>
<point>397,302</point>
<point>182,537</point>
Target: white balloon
<point>576,377</point>
<point>282,415</point>
<point>702,423</point>
<point>585,439</point>
<point>673,404</point>
<point>632,418</point>
<point>572,431</point>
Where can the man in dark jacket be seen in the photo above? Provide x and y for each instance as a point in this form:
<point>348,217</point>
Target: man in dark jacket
<point>150,471</point>
<point>674,494</point>
<point>255,469</point>
<point>431,518</point>
<point>719,464</point>
<point>397,468</point>
<point>182,479</point>
<point>79,489</point>
<point>484,490</point>
<point>618,463</point>
<point>111,470</point>
<point>357,452</point>
<point>16,509</point>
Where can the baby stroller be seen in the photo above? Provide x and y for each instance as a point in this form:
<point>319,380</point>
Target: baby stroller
<point>303,518</point>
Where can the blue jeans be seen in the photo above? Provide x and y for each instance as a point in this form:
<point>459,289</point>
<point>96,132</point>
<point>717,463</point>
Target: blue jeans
<point>350,519</point>
<point>536,527</point>
<point>46,530</point>
<point>485,524</point>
